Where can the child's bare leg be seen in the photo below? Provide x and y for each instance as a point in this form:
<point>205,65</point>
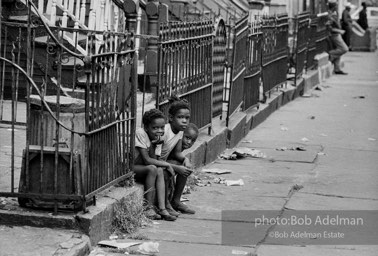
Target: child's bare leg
<point>179,188</point>
<point>160,188</point>
<point>147,175</point>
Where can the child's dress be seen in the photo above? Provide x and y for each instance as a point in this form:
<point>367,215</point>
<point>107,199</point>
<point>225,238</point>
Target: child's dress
<point>143,141</point>
<point>170,140</point>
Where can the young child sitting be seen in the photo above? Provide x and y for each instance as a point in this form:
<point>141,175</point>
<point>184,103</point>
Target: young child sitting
<point>179,115</point>
<point>147,168</point>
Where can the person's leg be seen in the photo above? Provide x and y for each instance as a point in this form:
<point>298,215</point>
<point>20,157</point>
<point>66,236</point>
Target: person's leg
<point>341,48</point>
<point>160,188</point>
<point>161,196</point>
<point>178,190</point>
<point>147,175</point>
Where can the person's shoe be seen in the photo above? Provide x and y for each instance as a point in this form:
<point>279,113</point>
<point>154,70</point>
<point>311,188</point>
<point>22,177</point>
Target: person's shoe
<point>165,215</point>
<point>340,72</point>
<point>171,211</point>
<point>151,214</point>
<point>183,208</point>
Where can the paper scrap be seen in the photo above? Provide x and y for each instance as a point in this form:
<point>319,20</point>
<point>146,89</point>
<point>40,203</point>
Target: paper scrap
<point>239,182</point>
<point>305,139</point>
<point>216,171</point>
<point>119,244</point>
<point>148,248</point>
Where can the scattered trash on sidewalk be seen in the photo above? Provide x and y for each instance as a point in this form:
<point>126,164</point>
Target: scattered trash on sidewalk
<point>234,182</point>
<point>244,152</point>
<point>321,154</point>
<point>296,187</point>
<point>372,139</point>
<point>311,117</point>
<point>323,134</point>
<point>283,128</point>
<point>237,252</point>
<point>237,153</point>
<point>318,88</point>
<point>155,223</point>
<point>148,248</point>
<point>292,148</point>
<point>118,244</point>
<point>247,141</point>
<point>359,97</point>
<point>203,183</point>
<point>304,139</point>
<point>219,180</point>
<point>184,199</point>
<point>216,171</point>
<point>113,237</point>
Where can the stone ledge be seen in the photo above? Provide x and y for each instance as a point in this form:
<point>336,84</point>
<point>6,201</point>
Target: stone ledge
<point>96,223</point>
<point>311,79</point>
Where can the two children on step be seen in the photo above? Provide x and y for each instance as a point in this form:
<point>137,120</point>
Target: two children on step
<point>159,159</point>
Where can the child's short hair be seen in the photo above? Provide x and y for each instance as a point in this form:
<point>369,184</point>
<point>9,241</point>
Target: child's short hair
<point>150,115</point>
<point>176,104</point>
<point>193,127</point>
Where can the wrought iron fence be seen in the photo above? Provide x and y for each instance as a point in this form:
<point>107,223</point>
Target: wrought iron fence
<point>186,67</point>
<point>322,42</point>
<point>219,62</point>
<point>311,50</point>
<point>79,112</point>
<point>252,74</point>
<point>301,33</point>
<point>275,51</point>
<point>239,56</point>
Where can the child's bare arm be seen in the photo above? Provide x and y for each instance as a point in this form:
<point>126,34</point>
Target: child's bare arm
<point>148,160</point>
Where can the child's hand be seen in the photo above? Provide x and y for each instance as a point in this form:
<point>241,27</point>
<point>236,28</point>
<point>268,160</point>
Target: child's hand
<point>184,171</point>
<point>170,170</point>
<point>187,163</point>
<point>157,141</point>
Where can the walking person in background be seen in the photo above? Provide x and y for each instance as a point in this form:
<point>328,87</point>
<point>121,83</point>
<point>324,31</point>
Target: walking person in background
<point>338,44</point>
<point>362,17</point>
<point>346,24</point>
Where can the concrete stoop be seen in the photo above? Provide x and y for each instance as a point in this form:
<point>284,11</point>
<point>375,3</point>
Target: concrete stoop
<point>96,223</point>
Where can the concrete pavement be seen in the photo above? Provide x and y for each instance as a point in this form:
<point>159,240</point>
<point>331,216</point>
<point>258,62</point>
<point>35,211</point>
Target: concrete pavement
<point>338,128</point>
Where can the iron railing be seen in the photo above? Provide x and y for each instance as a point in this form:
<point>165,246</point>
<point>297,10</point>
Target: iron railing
<point>79,112</point>
<point>252,75</point>
<point>311,50</point>
<point>322,40</point>
<point>239,56</point>
<point>185,67</point>
<point>275,51</point>
<point>219,62</point>
<point>301,33</point>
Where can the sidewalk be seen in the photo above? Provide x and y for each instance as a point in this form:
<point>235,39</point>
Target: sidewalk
<point>343,176</point>
<point>337,126</point>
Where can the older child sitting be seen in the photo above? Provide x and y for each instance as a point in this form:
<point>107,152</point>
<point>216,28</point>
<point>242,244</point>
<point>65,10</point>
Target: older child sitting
<point>179,115</point>
<point>147,168</point>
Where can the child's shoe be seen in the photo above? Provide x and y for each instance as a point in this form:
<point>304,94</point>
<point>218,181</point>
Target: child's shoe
<point>165,215</point>
<point>182,208</point>
<point>171,211</point>
<point>151,213</point>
